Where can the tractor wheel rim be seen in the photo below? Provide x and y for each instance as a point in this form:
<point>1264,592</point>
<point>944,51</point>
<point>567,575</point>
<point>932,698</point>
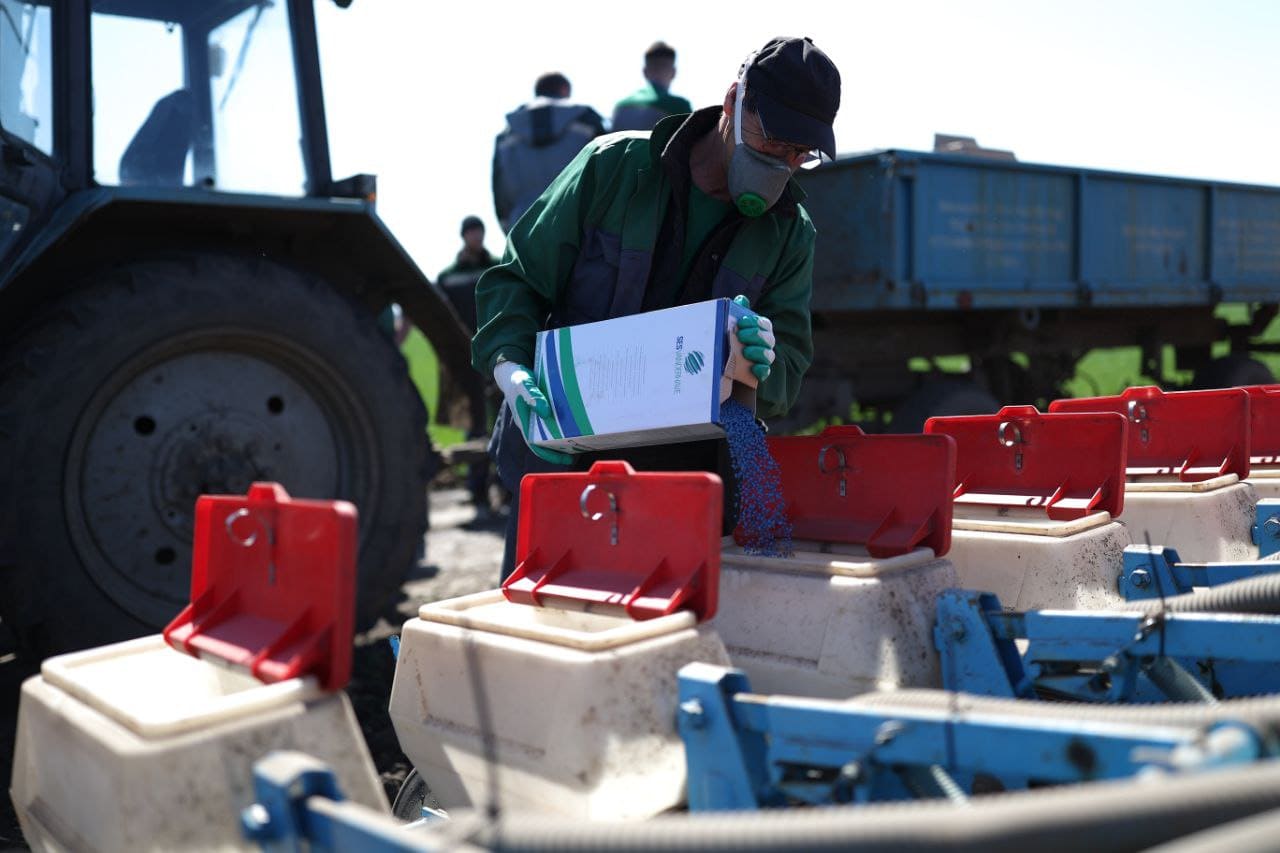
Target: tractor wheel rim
<point>206,413</point>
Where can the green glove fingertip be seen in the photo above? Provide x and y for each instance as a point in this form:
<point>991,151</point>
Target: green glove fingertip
<point>522,411</point>
<point>742,300</point>
<point>761,371</point>
<point>555,457</point>
<point>540,404</point>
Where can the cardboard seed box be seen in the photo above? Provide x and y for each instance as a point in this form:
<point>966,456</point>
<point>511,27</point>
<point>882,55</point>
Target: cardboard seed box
<point>652,378</point>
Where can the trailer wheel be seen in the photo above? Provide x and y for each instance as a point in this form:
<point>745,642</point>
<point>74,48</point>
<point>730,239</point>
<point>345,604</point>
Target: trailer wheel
<point>1231,371</point>
<point>159,381</point>
<point>942,397</point>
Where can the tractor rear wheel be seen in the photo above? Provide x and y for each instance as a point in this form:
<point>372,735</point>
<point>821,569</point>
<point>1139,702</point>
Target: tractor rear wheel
<point>158,381</point>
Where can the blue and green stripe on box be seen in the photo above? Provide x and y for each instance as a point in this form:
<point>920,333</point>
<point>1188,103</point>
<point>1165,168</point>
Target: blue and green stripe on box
<point>566,395</point>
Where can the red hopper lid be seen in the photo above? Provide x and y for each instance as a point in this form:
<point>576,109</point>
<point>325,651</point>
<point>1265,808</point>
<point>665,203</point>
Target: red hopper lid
<point>1068,464</point>
<point>272,586</point>
<point>612,538</point>
<point>1194,435</point>
<point>891,493</point>
<point>1264,424</point>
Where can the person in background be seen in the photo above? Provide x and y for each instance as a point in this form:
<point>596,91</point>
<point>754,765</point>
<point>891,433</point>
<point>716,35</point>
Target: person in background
<point>458,281</point>
<point>540,139</point>
<point>653,101</point>
<point>703,207</point>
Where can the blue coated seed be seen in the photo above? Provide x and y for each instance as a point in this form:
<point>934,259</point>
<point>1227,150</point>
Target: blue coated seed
<point>762,516</point>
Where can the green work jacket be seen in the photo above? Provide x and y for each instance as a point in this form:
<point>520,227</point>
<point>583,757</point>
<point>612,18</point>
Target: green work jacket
<point>645,107</point>
<point>606,240</point>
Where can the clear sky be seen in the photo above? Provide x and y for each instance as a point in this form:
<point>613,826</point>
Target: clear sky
<point>416,91</point>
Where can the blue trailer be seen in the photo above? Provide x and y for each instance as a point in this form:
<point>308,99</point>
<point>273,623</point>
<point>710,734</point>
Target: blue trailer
<point>928,255</point>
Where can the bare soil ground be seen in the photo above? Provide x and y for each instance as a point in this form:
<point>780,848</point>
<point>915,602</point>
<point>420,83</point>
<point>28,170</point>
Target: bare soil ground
<point>463,556</point>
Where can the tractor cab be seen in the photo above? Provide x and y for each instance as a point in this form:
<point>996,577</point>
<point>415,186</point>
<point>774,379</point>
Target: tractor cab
<point>194,95</point>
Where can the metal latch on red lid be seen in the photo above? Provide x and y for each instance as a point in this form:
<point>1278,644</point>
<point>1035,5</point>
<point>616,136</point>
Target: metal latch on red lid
<point>889,493</point>
<point>1264,424</point>
<point>1191,435</point>
<point>1069,465</point>
<point>612,539</point>
<point>272,586</point>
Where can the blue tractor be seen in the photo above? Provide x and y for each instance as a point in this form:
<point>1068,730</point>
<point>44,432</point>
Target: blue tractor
<point>189,303</point>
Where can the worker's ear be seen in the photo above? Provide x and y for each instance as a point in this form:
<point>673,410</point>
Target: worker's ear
<point>729,98</point>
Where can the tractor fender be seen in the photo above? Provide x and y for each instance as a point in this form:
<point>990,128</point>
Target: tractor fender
<point>343,241</point>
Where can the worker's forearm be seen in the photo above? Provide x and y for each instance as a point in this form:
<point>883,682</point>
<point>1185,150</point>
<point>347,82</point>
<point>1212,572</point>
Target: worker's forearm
<point>509,314</point>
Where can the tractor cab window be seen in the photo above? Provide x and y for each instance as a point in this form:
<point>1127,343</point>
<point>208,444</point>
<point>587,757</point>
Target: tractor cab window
<point>26,72</point>
<point>206,99</point>
<point>142,115</point>
<point>256,129</point>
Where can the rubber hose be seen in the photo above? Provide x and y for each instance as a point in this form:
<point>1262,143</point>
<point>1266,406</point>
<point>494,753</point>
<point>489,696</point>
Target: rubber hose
<point>1098,817</point>
<point>1251,595</point>
<point>1257,834</point>
<point>1265,709</point>
<point>1261,712</point>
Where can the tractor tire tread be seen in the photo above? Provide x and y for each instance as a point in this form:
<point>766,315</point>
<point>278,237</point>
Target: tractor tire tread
<point>68,331</point>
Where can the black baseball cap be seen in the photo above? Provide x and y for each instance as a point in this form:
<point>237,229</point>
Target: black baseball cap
<point>797,92</point>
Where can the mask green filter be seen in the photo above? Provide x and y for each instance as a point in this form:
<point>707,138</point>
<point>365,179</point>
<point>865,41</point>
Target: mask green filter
<point>750,204</point>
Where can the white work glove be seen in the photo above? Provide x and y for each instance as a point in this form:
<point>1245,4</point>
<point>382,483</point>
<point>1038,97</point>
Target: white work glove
<point>756,334</point>
<point>524,396</point>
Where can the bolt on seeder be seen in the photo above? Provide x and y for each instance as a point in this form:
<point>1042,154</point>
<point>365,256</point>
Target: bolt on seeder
<point>652,378</point>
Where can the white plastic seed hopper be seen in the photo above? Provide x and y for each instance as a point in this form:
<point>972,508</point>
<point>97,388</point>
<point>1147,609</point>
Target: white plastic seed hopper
<point>852,608</point>
<point>1037,496</point>
<point>557,693</point>
<point>1188,455</point>
<point>150,744</point>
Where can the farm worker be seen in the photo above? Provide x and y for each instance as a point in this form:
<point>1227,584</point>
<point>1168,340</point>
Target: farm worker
<point>653,101</point>
<point>458,281</point>
<point>701,208</point>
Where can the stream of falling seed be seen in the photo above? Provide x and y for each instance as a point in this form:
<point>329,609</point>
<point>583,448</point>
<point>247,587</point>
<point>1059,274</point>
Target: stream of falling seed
<point>762,517</point>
